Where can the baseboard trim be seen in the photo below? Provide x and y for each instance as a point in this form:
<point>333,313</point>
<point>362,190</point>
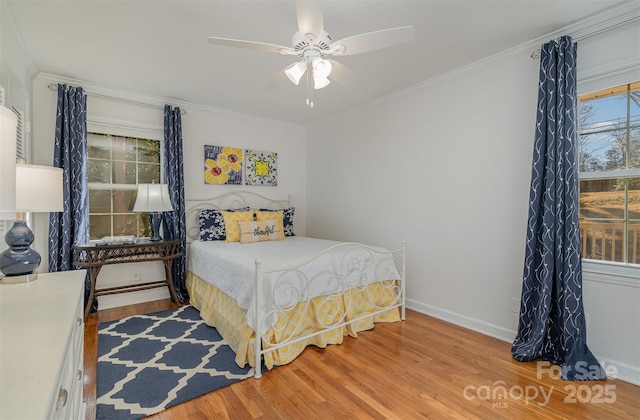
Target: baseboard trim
<point>473,324</point>
<point>131,298</point>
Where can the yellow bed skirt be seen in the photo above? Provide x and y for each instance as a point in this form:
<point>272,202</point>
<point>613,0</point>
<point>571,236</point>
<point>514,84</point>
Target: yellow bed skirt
<point>222,312</point>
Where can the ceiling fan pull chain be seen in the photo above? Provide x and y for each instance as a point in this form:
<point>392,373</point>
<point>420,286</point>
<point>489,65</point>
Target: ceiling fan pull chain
<point>309,89</point>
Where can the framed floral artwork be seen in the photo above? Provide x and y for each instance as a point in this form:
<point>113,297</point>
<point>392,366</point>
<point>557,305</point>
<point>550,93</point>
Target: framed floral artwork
<point>261,168</point>
<point>222,165</point>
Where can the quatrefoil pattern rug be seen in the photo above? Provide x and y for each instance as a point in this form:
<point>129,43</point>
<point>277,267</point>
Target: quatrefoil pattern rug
<point>148,363</point>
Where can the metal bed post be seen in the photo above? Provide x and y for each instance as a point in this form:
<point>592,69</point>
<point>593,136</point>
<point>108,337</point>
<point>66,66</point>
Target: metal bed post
<point>403,280</point>
<point>258,334</point>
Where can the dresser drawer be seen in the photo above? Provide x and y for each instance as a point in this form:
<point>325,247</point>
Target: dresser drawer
<point>68,404</point>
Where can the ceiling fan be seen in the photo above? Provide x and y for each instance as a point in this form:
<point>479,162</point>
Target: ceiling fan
<point>312,44</point>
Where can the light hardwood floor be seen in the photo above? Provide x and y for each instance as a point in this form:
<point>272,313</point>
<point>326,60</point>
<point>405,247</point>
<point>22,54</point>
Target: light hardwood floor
<point>419,368</point>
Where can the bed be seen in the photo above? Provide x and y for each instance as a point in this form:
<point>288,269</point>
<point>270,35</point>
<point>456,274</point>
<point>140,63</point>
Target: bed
<point>271,293</point>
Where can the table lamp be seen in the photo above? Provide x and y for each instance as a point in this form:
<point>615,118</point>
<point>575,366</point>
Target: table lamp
<point>153,199</point>
<point>38,190</point>
<point>8,134</point>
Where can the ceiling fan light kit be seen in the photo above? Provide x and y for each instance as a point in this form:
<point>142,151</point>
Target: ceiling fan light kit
<point>321,67</point>
<point>296,71</point>
<point>311,43</point>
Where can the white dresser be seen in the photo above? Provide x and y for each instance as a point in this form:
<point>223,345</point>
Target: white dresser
<point>42,346</point>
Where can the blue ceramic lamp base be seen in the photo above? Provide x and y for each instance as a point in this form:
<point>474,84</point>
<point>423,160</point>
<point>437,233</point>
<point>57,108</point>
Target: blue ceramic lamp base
<point>154,221</point>
<point>19,262</point>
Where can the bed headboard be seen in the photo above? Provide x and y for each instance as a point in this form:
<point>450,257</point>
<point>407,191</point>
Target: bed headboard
<point>228,200</point>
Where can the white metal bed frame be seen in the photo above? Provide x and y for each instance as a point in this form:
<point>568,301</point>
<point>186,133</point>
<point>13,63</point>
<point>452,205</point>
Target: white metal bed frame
<point>353,278</point>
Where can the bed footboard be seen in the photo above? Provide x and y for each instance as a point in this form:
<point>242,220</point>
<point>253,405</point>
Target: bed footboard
<point>361,284</point>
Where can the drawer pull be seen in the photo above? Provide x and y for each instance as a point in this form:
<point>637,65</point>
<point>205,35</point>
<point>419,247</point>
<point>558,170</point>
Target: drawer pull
<point>62,398</point>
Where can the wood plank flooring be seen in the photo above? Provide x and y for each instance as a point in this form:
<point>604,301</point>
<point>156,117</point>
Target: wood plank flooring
<point>419,368</point>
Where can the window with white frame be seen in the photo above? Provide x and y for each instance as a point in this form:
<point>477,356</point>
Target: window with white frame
<point>609,173</point>
<point>116,164</point>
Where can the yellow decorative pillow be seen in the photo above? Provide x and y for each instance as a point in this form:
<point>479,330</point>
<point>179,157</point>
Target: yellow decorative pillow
<point>231,219</point>
<point>264,230</point>
<point>270,215</point>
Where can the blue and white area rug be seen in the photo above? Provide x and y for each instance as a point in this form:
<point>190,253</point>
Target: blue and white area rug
<point>147,363</point>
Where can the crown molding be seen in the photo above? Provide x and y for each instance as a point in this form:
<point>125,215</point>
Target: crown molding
<point>143,99</point>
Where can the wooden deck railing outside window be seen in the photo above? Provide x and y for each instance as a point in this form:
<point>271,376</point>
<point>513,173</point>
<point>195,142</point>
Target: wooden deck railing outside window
<point>605,241</point>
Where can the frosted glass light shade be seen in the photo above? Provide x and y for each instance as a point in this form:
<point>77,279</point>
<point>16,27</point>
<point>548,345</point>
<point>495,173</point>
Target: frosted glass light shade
<point>321,71</point>
<point>319,82</point>
<point>38,188</point>
<point>153,198</point>
<point>8,135</point>
<point>295,72</point>
<point>321,67</point>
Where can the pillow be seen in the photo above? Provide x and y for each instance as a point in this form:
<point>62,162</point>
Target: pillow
<point>212,224</point>
<point>268,215</point>
<point>231,219</point>
<point>263,230</point>
<point>287,219</point>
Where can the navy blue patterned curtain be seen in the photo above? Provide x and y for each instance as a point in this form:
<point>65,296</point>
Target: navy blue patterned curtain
<point>552,325</point>
<point>174,223</point>
<point>71,226</point>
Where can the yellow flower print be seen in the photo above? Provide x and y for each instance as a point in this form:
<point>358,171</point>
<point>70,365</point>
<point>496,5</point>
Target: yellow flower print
<point>215,173</point>
<point>233,157</point>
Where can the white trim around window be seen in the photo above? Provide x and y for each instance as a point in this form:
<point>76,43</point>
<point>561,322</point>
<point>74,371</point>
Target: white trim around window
<point>613,273</point>
<point>125,128</point>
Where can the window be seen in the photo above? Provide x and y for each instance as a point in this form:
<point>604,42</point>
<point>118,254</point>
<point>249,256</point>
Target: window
<point>609,166</point>
<point>17,104</point>
<point>116,165</point>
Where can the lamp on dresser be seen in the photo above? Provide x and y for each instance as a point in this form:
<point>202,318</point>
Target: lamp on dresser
<point>8,134</point>
<point>153,199</point>
<point>38,189</point>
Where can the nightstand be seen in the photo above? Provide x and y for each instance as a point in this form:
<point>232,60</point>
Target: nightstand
<point>42,347</point>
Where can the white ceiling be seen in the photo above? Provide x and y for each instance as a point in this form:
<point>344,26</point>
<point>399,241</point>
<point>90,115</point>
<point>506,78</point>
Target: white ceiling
<point>161,48</point>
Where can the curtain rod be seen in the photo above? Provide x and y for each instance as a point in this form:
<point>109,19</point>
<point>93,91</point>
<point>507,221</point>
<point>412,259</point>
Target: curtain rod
<point>594,30</point>
<point>54,87</point>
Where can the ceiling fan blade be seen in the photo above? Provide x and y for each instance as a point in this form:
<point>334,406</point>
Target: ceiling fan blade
<point>370,41</point>
<point>310,18</point>
<point>251,45</point>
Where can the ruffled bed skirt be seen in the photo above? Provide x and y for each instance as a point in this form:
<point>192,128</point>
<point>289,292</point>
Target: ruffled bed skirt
<point>222,312</point>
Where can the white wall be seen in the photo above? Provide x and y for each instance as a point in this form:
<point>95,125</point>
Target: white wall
<point>446,167</point>
<point>14,62</point>
<point>200,126</point>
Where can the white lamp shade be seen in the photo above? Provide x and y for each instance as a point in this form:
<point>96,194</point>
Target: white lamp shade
<point>38,188</point>
<point>321,67</point>
<point>153,198</point>
<point>295,72</point>
<point>8,135</point>
<point>320,82</point>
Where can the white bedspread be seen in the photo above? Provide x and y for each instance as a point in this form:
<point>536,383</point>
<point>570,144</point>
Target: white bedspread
<point>230,267</point>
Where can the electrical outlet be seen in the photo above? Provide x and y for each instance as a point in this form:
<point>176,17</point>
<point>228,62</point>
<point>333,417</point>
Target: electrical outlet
<point>515,305</point>
<point>136,276</point>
